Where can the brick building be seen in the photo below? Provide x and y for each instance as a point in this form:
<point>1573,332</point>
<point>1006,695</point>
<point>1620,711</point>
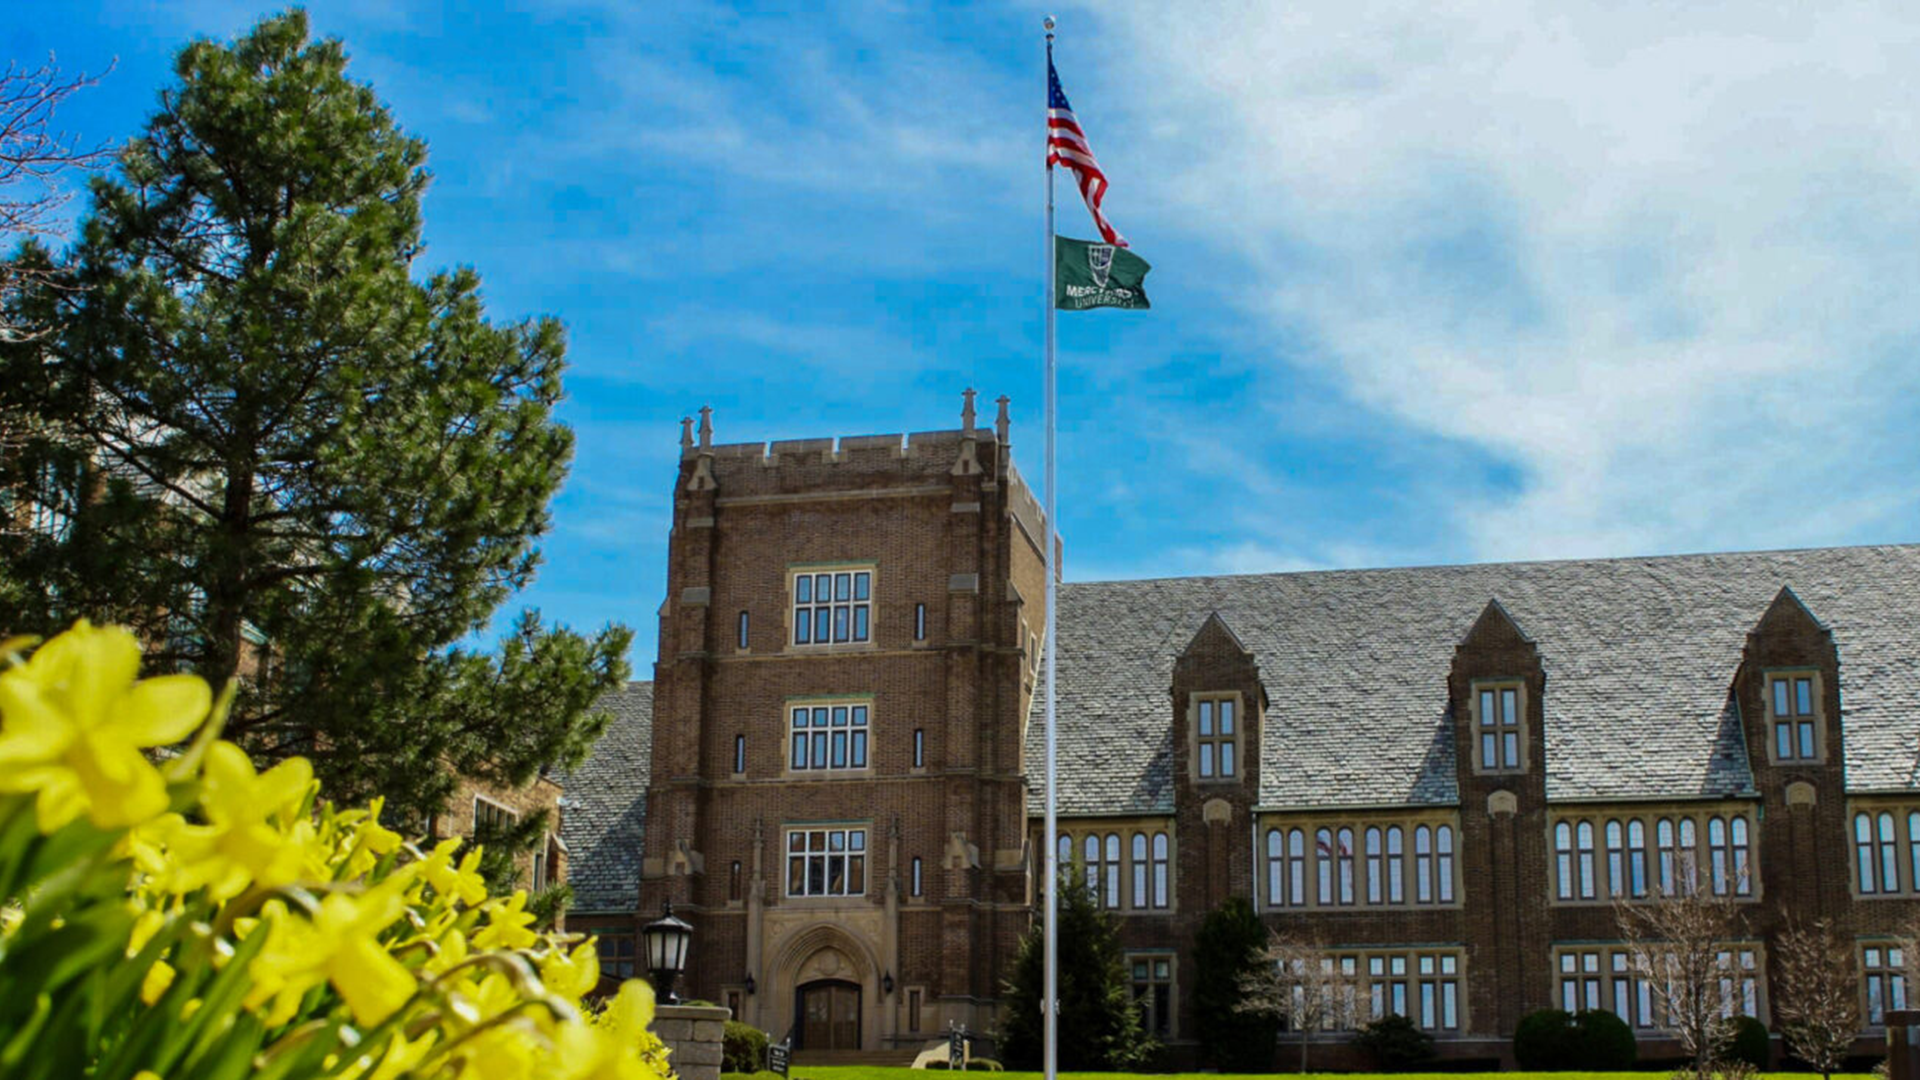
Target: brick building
<point>1447,773</point>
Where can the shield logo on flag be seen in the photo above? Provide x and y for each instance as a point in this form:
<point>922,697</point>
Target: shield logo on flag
<point>1100,263</point>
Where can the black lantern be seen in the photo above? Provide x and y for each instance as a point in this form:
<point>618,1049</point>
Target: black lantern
<point>886,983</point>
<point>749,984</point>
<point>667,939</point>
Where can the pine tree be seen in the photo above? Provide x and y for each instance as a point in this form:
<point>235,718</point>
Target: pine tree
<point>255,436</point>
<point>1099,1020</point>
<point>1227,950</point>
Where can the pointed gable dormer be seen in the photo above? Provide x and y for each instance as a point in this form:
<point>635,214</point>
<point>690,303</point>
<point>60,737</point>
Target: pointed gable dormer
<point>1495,689</point>
<point>1218,704</point>
<point>1218,699</point>
<point>1788,688</point>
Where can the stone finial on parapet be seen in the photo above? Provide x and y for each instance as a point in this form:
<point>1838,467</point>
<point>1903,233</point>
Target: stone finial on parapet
<point>686,434</point>
<point>702,478</point>
<point>1002,422</point>
<point>966,408</point>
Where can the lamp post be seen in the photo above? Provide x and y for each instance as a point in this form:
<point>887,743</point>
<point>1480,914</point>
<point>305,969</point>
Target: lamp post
<point>667,938</point>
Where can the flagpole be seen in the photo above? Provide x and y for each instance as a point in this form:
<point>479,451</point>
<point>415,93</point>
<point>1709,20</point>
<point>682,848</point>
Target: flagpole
<point>1050,997</point>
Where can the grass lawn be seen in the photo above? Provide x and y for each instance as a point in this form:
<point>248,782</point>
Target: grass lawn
<point>860,1072</point>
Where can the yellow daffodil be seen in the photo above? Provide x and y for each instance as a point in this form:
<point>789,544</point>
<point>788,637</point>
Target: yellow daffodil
<point>507,922</point>
<point>255,832</point>
<point>463,883</point>
<point>340,946</point>
<point>571,974</point>
<point>73,723</point>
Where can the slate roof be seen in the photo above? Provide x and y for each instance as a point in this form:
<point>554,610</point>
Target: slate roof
<point>606,814</point>
<point>1639,655</point>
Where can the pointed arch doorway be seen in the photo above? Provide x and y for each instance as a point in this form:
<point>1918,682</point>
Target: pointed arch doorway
<point>827,1015</point>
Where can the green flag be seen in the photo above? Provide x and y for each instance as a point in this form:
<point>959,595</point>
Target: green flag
<point>1089,275</point>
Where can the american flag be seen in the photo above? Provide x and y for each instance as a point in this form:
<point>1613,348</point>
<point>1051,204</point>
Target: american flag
<point>1067,146</point>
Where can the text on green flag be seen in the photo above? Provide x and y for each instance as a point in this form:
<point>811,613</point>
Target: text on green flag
<point>1089,275</point>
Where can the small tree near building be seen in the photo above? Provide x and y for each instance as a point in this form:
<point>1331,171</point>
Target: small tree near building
<point>1099,1020</point>
<point>1678,944</point>
<point>1815,998</point>
<point>1227,949</point>
<point>1303,986</point>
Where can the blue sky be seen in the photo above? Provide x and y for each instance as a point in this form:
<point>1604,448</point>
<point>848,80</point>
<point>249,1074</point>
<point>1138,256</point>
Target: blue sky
<point>1432,283</point>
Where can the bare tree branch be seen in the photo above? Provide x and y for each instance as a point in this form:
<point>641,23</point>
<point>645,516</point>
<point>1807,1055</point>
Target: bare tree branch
<point>1680,943</point>
<point>34,155</point>
<point>1301,983</point>
<point>1815,998</point>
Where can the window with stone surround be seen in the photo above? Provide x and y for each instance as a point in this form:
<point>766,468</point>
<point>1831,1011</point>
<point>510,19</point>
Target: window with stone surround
<point>490,819</point>
<point>1885,970</point>
<point>1793,709</point>
<point>1153,991</point>
<point>1125,868</point>
<point>828,734</point>
<point>1216,737</point>
<point>1423,985</point>
<point>826,861</point>
<point>1677,864</point>
<point>832,605</point>
<point>1499,714</point>
<point>618,959</point>
<point>1391,870</point>
<point>1886,851</point>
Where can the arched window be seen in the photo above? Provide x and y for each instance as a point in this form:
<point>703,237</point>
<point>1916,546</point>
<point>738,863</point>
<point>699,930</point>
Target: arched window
<point>1140,870</point>
<point>1889,862</point>
<point>1563,860</point>
<point>1913,849</point>
<point>1396,866</point>
<point>1063,847</point>
<point>1583,836</point>
<point>1422,865</point>
<point>1443,843</point>
<point>1374,875</point>
<point>1111,892</point>
<point>1616,859</point>
<point>1637,857</point>
<point>1663,837</point>
<point>1742,857</point>
<point>1160,884</point>
<point>1276,868</point>
<point>1296,867</point>
<point>1090,864</point>
<point>1323,864</point>
<point>1346,866</point>
<point>1717,855</point>
<point>1863,853</point>
<point>1688,868</point>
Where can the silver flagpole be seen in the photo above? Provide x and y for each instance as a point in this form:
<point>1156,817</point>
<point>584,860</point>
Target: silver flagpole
<point>1050,998</point>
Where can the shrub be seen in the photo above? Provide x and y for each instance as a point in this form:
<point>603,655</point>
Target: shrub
<point>1226,949</point>
<point>1749,1042</point>
<point>1540,1041</point>
<point>196,919</point>
<point>743,1049</point>
<point>1395,1044</point>
<point>1603,1041</point>
<point>1551,1039</point>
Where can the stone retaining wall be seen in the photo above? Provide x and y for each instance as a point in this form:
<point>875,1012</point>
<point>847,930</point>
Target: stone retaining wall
<point>694,1033</point>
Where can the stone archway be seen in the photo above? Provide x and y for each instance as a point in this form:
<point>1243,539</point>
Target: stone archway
<point>820,957</point>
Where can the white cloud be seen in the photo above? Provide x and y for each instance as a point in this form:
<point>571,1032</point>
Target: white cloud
<point>1665,258</point>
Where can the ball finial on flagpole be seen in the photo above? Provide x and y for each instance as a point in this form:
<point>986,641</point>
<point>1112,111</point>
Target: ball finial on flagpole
<point>1048,23</point>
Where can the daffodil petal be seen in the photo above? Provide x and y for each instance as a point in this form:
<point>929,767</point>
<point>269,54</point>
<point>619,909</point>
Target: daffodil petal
<point>161,711</point>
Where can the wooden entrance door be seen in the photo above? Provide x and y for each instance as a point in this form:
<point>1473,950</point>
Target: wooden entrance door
<point>830,1016</point>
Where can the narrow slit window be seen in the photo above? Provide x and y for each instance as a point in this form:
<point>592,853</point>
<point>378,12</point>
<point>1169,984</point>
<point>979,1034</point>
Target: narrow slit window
<point>919,748</point>
<point>739,754</point>
<point>919,622</point>
<point>742,640</point>
<point>916,876</point>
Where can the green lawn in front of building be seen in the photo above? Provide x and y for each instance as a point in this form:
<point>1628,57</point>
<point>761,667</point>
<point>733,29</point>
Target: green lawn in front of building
<point>861,1072</point>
